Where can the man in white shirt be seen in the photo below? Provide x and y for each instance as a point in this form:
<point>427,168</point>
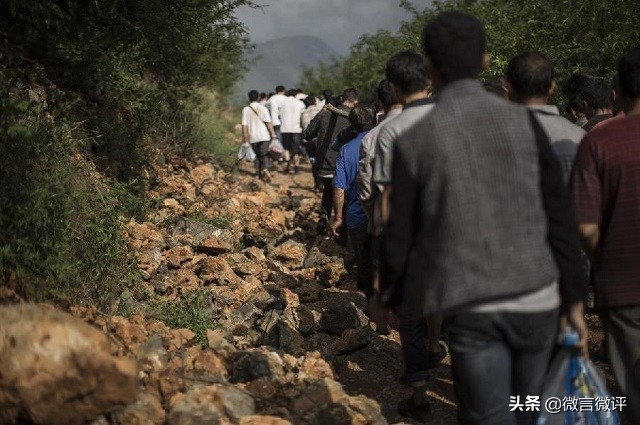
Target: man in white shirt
<point>258,130</point>
<point>275,103</point>
<point>291,130</point>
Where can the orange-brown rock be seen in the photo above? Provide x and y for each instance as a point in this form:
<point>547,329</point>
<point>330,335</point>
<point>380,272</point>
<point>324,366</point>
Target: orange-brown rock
<point>263,420</point>
<point>56,369</point>
<point>214,246</point>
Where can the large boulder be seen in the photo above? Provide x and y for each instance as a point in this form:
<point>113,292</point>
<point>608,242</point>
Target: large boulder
<point>56,369</point>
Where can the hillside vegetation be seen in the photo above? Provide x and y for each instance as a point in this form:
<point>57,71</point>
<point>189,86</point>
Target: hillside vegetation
<point>579,37</point>
<point>89,93</point>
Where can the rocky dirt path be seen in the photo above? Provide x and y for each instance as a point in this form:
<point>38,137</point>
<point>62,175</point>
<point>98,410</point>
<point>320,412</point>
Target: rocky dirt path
<point>375,370</point>
<point>243,316</point>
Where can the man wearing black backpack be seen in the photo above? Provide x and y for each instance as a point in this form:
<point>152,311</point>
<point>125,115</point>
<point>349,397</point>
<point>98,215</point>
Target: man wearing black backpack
<point>325,127</point>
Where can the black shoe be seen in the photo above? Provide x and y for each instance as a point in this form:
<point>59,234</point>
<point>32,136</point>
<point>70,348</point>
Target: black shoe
<point>409,408</point>
<point>436,357</point>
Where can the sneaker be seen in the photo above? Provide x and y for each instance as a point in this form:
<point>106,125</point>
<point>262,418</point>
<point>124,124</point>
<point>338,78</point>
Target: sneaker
<point>409,409</point>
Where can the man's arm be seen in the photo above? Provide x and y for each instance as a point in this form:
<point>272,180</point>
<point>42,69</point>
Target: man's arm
<point>338,205</point>
<point>562,235</point>
<point>311,132</point>
<point>245,134</point>
<point>590,236</point>
<point>364,180</point>
<point>339,188</point>
<point>400,231</point>
<point>587,190</point>
<point>272,131</point>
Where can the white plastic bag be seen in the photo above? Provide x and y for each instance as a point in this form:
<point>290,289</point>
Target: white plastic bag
<point>246,152</point>
<point>276,150</point>
<point>575,381</point>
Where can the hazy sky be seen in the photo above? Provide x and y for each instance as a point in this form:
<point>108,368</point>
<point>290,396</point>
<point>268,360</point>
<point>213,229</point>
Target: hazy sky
<point>338,22</point>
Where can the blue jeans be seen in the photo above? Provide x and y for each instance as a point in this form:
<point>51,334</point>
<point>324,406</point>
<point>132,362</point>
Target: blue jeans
<point>495,356</point>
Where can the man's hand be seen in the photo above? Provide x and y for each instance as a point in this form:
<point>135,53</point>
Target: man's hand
<point>335,224</point>
<point>574,318</point>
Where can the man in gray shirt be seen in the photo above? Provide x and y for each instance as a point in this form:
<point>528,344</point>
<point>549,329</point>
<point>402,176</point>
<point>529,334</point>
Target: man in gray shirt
<point>531,79</point>
<point>481,228</point>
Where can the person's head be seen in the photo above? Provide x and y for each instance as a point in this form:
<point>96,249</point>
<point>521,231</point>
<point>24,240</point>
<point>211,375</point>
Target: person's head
<point>362,118</point>
<point>497,86</point>
<point>326,95</point>
<point>263,96</point>
<point>575,85</point>
<point>387,95</point>
<point>597,98</point>
<point>530,76</point>
<point>290,93</point>
<point>454,45</point>
<point>629,75</point>
<point>309,101</point>
<point>350,97</point>
<point>254,95</point>
<point>575,108</point>
<point>280,89</point>
<point>407,73</point>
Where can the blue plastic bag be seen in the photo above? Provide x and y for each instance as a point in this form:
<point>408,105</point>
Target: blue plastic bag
<point>576,383</point>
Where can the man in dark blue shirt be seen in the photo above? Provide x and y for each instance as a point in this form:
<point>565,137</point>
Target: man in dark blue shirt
<point>362,120</point>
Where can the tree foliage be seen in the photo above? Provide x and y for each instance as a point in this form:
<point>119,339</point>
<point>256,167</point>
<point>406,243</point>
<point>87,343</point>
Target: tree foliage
<point>579,37</point>
<point>87,90</point>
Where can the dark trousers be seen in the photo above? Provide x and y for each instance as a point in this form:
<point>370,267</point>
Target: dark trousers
<point>495,356</point>
<point>261,150</point>
<point>361,244</point>
<point>326,208</point>
<point>413,332</point>
<point>622,327</point>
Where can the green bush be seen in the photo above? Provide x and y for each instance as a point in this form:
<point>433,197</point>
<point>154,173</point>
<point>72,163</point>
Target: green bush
<point>61,235</point>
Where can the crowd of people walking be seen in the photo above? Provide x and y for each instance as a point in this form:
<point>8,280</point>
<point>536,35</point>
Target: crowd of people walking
<point>481,206</point>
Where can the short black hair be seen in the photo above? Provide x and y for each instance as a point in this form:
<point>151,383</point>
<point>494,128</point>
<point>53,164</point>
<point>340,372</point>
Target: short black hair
<point>279,89</point>
<point>455,44</point>
<point>362,118</point>
<point>629,73</point>
<point>407,71</point>
<point>386,94</point>
<point>350,95</point>
<point>309,100</point>
<point>263,95</point>
<point>290,92</point>
<point>497,87</point>
<point>254,95</point>
<point>574,103</point>
<point>530,74</point>
<point>597,95</point>
<point>575,85</point>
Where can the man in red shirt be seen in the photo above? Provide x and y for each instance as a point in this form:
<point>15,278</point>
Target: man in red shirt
<point>606,193</point>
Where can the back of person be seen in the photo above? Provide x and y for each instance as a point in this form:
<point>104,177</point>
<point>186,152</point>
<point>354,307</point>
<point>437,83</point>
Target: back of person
<point>490,220</point>
<point>290,113</point>
<point>327,163</point>
<point>613,153</point>
<point>565,137</point>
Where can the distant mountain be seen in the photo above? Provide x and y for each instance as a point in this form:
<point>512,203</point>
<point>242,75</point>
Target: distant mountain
<point>280,62</point>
